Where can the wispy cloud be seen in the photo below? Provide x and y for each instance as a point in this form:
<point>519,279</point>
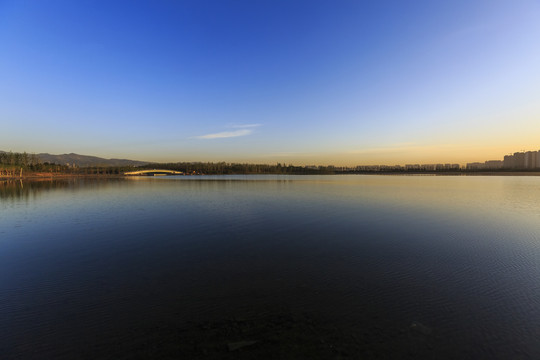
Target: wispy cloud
<point>244,129</point>
<point>243,126</point>
<point>226,134</point>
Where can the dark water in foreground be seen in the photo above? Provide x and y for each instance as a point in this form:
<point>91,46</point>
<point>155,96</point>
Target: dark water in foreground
<point>271,267</point>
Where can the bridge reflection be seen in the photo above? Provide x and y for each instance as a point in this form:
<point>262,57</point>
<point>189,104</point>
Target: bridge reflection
<point>153,172</point>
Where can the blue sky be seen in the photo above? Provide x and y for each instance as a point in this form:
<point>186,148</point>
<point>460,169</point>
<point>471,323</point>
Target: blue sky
<point>302,82</point>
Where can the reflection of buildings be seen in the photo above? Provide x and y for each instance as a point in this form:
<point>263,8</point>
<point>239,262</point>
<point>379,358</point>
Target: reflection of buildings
<point>518,160</point>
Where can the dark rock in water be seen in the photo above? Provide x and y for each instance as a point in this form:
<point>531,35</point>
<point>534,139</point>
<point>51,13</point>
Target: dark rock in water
<point>240,344</point>
<point>422,329</point>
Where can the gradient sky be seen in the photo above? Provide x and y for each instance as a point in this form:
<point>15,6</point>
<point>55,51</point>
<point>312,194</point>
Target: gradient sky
<point>300,82</point>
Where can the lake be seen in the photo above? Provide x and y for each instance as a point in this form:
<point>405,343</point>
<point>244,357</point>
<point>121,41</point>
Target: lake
<point>245,267</point>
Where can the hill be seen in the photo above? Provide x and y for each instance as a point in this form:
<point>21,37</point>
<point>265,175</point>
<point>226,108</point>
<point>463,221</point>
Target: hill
<point>86,160</point>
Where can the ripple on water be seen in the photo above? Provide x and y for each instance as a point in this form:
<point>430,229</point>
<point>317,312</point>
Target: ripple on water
<point>354,261</point>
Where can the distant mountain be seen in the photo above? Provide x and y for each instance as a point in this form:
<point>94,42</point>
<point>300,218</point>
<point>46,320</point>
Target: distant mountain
<point>85,160</point>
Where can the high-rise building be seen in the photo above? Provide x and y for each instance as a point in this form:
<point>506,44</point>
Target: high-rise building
<point>508,162</point>
<point>519,160</point>
<point>475,166</point>
<point>530,160</point>
<point>493,164</point>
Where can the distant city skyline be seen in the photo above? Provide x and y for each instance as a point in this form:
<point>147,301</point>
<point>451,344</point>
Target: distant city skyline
<point>521,160</point>
<point>296,82</point>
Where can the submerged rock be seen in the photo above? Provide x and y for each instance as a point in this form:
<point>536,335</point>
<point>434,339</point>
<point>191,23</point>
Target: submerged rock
<point>240,344</point>
<point>420,328</point>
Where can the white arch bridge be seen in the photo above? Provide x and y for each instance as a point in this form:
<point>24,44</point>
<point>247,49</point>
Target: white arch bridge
<point>153,172</point>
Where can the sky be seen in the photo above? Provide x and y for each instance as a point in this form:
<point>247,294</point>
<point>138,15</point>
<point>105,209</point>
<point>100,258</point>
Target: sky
<point>295,82</point>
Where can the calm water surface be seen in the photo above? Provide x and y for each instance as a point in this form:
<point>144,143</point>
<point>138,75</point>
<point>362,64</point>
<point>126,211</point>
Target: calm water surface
<point>278,266</point>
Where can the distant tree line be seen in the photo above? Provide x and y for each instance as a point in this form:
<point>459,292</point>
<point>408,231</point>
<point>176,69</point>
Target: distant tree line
<point>223,168</point>
<point>13,163</point>
<point>105,170</point>
<point>18,159</point>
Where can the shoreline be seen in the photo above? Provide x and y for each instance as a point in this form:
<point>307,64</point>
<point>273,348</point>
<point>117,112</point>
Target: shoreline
<point>56,176</point>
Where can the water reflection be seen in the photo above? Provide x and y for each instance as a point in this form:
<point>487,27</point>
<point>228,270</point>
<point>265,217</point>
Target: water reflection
<point>31,189</point>
<point>319,267</point>
<point>17,189</point>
